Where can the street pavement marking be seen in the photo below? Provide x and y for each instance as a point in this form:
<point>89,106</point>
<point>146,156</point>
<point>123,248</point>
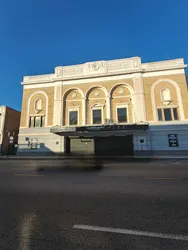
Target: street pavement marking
<point>161,178</point>
<point>26,228</point>
<point>132,232</point>
<point>29,175</point>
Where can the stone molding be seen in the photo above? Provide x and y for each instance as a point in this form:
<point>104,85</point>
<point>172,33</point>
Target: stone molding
<point>104,68</point>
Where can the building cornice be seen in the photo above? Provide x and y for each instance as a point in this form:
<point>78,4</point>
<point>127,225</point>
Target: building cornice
<point>104,68</point>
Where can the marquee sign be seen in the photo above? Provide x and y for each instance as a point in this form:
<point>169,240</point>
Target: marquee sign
<point>100,128</point>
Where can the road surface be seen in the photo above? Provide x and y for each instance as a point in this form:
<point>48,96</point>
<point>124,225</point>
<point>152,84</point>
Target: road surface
<point>132,205</point>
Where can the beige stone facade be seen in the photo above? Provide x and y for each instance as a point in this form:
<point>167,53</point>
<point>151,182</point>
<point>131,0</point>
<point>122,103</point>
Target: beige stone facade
<point>153,93</point>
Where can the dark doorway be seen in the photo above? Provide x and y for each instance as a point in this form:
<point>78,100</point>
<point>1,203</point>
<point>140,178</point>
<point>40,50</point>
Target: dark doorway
<point>67,145</point>
<point>114,145</point>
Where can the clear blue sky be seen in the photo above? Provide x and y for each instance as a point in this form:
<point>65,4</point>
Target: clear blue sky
<point>37,35</point>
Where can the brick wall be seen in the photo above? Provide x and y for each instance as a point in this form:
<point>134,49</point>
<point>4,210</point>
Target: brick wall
<point>12,123</point>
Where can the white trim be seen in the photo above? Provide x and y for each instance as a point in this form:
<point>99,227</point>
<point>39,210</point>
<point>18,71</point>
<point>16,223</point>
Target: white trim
<point>73,89</point>
<point>75,100</point>
<point>54,111</point>
<point>108,109</point>
<point>105,91</point>
<point>97,105</point>
<point>171,107</point>
<point>81,81</point>
<point>166,106</point>
<point>164,72</point>
<point>83,111</point>
<point>162,95</point>
<point>64,96</point>
<point>39,99</point>
<point>178,92</point>
<point>28,106</point>
<point>42,85</point>
<point>120,84</point>
<point>104,78</point>
<point>35,134</point>
<point>131,96</point>
<point>78,116</point>
<point>34,114</point>
<point>123,96</point>
<point>104,68</point>
<point>122,106</point>
<point>97,87</point>
<point>101,107</point>
<point>97,98</point>
<point>169,122</point>
<point>139,98</point>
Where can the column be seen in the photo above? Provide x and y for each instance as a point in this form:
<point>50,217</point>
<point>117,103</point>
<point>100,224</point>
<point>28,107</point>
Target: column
<point>83,111</point>
<point>139,98</point>
<point>57,106</point>
<point>108,109</point>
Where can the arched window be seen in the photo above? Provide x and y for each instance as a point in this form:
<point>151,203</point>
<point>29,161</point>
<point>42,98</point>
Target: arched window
<point>38,104</point>
<point>165,96</point>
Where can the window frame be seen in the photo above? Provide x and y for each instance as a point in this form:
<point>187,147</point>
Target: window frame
<point>102,115</point>
<point>31,121</point>
<point>175,108</point>
<point>170,112</point>
<point>122,106</point>
<point>78,116</point>
<point>162,118</point>
<point>33,117</point>
<point>162,108</point>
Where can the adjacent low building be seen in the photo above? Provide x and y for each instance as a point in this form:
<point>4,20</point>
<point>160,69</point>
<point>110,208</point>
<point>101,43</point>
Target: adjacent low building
<point>118,107</point>
<point>9,129</point>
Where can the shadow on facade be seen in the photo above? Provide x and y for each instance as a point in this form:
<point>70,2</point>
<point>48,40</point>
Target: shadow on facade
<point>75,158</point>
<point>10,149</point>
<point>34,150</point>
<point>66,162</point>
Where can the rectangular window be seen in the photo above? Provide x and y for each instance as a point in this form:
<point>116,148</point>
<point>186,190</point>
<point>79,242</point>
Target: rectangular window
<point>122,115</point>
<point>31,122</point>
<point>36,121</point>
<point>97,116</point>
<point>167,114</point>
<point>175,113</point>
<point>42,121</point>
<point>73,117</point>
<point>160,116</point>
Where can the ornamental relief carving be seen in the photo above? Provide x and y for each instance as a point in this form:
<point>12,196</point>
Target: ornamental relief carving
<point>72,71</point>
<point>74,95</point>
<point>120,91</point>
<point>95,67</point>
<point>123,64</point>
<point>96,93</point>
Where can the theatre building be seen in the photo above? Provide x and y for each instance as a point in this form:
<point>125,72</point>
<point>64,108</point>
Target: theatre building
<point>117,107</point>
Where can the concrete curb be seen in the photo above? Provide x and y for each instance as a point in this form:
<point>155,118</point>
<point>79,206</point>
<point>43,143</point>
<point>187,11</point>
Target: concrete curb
<point>109,158</point>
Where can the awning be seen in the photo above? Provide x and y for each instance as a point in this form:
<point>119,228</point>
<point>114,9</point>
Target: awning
<point>99,130</point>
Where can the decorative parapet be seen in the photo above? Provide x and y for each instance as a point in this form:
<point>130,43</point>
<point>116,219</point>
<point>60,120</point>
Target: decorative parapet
<point>38,78</point>
<point>98,68</point>
<point>104,68</point>
<point>164,65</point>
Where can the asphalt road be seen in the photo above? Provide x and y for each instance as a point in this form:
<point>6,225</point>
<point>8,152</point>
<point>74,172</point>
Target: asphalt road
<point>132,205</point>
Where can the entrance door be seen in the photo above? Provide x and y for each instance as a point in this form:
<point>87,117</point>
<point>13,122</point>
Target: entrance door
<point>114,145</point>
